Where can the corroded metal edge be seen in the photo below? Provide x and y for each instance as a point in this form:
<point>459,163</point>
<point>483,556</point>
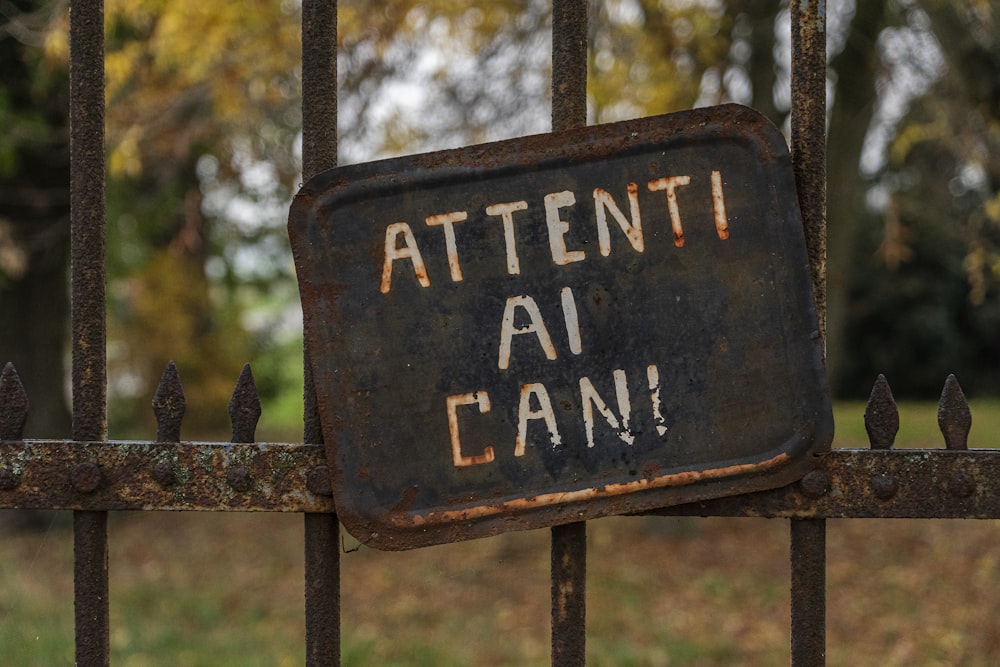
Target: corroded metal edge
<point>63,474</point>
<point>399,529</point>
<point>290,477</point>
<point>538,152</point>
<point>870,484</point>
<point>579,495</point>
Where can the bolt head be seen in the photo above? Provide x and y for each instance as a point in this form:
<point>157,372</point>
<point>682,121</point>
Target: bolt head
<point>961,485</point>
<point>815,484</point>
<point>163,473</point>
<point>8,479</point>
<point>318,481</point>
<point>238,478</point>
<point>86,477</point>
<point>884,486</point>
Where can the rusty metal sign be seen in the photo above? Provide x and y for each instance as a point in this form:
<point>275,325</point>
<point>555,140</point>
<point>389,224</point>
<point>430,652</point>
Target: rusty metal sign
<point>560,327</point>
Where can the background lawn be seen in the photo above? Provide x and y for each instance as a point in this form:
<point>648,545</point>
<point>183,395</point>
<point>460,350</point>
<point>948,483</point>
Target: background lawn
<point>226,589</point>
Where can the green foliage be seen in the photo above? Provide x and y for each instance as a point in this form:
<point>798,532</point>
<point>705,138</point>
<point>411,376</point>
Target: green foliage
<point>925,295</point>
<point>33,92</point>
<point>649,57</point>
<point>203,123</point>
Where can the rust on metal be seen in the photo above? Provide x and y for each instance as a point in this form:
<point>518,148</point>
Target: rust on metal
<point>86,477</point>
<point>569,64</point>
<point>13,404</point>
<point>888,484</point>
<point>569,595</point>
<point>881,415</point>
<point>808,144</point>
<point>518,505</point>
<point>169,405</point>
<point>569,111</point>
<point>520,323</point>
<point>954,416</point>
<point>88,320</point>
<point>808,135</point>
<point>884,486</point>
<point>816,483</point>
<point>319,152</point>
<point>8,479</point>
<point>862,483</point>
<point>807,563</point>
<point>244,407</point>
<point>63,474</point>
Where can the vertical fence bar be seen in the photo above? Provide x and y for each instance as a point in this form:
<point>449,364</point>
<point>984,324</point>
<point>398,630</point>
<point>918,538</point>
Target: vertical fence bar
<point>808,120</point>
<point>87,196</point>
<point>319,152</point>
<point>808,583</point>
<point>569,542</point>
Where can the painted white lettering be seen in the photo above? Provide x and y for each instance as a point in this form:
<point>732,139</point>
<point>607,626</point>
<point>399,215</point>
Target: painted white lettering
<point>535,326</point>
<point>481,399</point>
<point>408,251</point>
<point>572,320</point>
<point>670,185</point>
<point>447,222</point>
<point>558,228</point>
<point>653,378</point>
<point>506,213</point>
<point>605,203</point>
<point>719,206</point>
<point>592,399</point>
<point>526,413</point>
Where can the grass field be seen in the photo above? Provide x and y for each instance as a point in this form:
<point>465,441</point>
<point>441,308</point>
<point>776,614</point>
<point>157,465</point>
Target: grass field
<point>226,589</point>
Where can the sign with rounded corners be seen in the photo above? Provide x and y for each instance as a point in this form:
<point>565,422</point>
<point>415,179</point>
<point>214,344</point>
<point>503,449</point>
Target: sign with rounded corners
<point>560,327</point>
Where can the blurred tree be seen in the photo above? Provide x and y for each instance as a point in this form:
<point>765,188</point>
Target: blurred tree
<point>925,290</point>
<point>34,214</point>
<point>203,142</point>
<point>202,123</point>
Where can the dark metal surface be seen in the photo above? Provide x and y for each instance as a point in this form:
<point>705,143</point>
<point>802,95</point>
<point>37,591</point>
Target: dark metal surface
<point>568,549</point>
<point>708,331</point>
<point>13,404</point>
<point>808,143</point>
<point>808,591</point>
<point>880,482</point>
<point>808,139</point>
<point>64,474</point>
<point>569,64</point>
<point>89,365</point>
<point>849,483</point>
<point>319,152</point>
<point>871,483</point>
<point>569,594</point>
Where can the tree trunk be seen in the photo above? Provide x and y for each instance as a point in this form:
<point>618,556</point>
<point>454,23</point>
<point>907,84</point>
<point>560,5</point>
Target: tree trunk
<point>851,114</point>
<point>34,227</point>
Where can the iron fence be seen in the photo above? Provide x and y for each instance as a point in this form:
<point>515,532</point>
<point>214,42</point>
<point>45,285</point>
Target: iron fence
<point>91,475</point>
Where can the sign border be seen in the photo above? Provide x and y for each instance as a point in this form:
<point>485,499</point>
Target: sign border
<point>400,528</point>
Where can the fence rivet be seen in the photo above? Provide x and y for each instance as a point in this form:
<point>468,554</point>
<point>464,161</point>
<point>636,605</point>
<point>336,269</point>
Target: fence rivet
<point>318,481</point>
<point>238,478</point>
<point>816,483</point>
<point>86,477</point>
<point>961,485</point>
<point>8,479</point>
<point>163,473</point>
<point>884,486</point>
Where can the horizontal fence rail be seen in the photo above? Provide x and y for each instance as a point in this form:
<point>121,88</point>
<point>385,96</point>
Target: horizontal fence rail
<point>241,475</point>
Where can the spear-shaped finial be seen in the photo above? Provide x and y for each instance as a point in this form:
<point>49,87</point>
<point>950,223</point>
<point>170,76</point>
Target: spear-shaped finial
<point>169,405</point>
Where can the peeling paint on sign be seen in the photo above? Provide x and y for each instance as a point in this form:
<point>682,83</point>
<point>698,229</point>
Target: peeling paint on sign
<point>560,327</point>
